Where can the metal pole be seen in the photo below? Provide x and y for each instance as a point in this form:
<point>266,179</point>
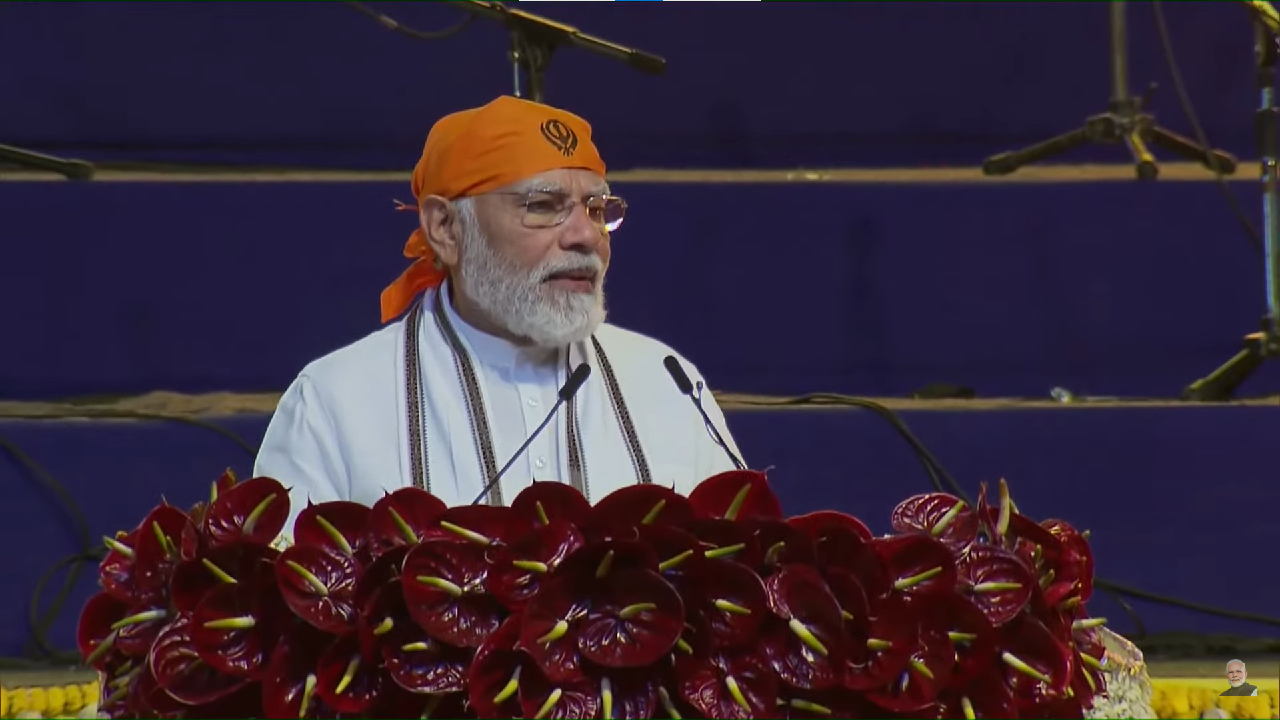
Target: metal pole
<point>1119,54</point>
<point>1266,130</point>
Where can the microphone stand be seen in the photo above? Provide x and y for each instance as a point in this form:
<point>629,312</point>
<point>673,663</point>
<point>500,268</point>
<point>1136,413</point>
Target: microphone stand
<point>534,39</point>
<point>30,160</point>
<point>1259,347</point>
<point>1124,121</point>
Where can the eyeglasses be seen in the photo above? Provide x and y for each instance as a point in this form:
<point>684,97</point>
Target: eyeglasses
<point>547,209</point>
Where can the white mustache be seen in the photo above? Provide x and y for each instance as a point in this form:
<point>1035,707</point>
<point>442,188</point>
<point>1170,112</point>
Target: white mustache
<point>571,263</point>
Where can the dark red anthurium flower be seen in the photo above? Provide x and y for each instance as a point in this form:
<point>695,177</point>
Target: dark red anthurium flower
<point>516,570</point>
<point>855,607</point>
<point>179,670</point>
<point>289,683</point>
<point>1004,525</point>
<point>726,603</point>
<point>781,544</point>
<point>1072,564</point>
<point>621,512</point>
<point>971,634</point>
<point>843,541</point>
<point>402,518</point>
<point>235,627</point>
<point>319,587</point>
<point>444,589</point>
<point>632,620</point>
<point>1036,663</point>
<point>346,679</point>
<point>496,670</point>
<point>886,646</point>
<point>547,502</point>
<point>416,661</point>
<point>97,630</point>
<point>738,685</point>
<point>823,705</point>
<point>917,564</point>
<point>942,516</point>
<point>157,552</point>
<point>482,525</point>
<point>607,604</point>
<point>998,581</point>
<point>337,527</point>
<point>255,510</point>
<point>1087,679</point>
<point>115,572</point>
<point>984,697</point>
<point>806,646</point>
<point>829,526</point>
<point>725,539</point>
<point>573,700</point>
<point>928,673</point>
<point>212,568</point>
<point>646,604</point>
<point>736,495</point>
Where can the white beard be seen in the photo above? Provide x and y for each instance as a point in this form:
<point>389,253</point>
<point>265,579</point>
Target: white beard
<point>521,302</point>
<point>1236,683</point>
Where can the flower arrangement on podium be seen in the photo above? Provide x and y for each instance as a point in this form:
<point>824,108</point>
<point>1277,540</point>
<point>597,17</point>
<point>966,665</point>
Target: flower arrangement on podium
<point>647,604</point>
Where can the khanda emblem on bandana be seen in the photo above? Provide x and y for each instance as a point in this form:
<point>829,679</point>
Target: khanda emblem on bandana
<point>561,136</point>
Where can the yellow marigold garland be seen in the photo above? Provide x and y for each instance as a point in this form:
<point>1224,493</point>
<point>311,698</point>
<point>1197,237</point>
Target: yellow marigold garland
<point>50,701</point>
<point>1172,698</point>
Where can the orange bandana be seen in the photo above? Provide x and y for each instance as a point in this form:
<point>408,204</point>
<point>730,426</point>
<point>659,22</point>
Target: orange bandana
<point>480,150</point>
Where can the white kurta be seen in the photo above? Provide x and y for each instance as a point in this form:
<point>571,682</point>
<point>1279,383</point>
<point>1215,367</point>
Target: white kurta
<point>340,430</point>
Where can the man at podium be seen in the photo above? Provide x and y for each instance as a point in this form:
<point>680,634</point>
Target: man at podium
<point>503,304</point>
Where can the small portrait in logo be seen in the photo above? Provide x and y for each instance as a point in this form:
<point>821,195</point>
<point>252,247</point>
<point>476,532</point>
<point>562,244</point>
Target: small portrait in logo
<point>561,136</point>
<point>1238,677</point>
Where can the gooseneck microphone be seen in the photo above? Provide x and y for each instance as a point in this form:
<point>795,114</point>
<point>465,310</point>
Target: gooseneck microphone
<point>564,395</point>
<point>685,386</point>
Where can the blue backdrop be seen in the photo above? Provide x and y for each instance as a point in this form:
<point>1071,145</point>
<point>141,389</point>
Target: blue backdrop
<point>747,85</point>
<point>874,289</point>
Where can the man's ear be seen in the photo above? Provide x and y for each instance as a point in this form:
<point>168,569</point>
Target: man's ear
<point>439,221</point>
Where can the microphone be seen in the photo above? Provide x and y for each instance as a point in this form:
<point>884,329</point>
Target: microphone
<point>563,395</point>
<point>685,387</point>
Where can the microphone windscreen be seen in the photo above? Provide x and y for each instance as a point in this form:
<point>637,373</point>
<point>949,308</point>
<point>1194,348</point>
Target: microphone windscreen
<point>575,381</point>
<point>678,375</point>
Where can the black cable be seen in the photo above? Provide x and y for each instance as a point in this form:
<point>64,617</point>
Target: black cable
<point>1188,109</point>
<point>1137,594</point>
<point>1139,628</point>
<point>938,476</point>
<point>944,482</point>
<point>392,24</point>
<point>40,651</point>
<point>40,623</point>
<point>39,643</point>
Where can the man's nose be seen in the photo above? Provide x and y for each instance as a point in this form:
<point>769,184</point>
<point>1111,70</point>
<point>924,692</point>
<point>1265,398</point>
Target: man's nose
<point>581,232</point>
